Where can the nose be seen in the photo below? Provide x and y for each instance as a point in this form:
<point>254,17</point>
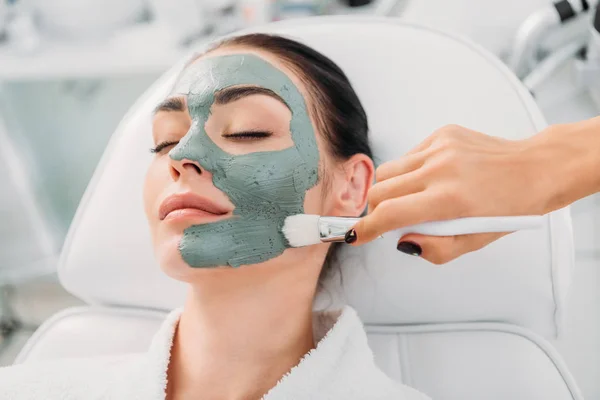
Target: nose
<point>179,168</point>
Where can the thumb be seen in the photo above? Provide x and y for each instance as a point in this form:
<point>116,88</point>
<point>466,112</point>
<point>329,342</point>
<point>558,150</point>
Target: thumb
<point>442,249</point>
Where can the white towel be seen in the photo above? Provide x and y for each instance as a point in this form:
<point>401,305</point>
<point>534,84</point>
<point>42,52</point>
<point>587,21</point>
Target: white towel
<point>341,367</point>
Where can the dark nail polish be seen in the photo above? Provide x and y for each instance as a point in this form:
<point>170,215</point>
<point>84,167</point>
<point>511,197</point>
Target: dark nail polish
<point>350,236</point>
<point>410,248</point>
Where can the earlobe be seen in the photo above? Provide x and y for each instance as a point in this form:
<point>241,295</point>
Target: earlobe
<point>358,173</point>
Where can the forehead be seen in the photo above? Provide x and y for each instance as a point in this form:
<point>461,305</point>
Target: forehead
<point>238,66</point>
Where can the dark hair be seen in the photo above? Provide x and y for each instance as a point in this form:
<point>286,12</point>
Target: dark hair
<point>335,106</point>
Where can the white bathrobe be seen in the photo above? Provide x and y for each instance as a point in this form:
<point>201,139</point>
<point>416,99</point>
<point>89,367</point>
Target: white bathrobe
<point>341,367</point>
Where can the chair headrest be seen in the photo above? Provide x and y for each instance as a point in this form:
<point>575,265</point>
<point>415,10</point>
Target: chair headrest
<point>412,80</point>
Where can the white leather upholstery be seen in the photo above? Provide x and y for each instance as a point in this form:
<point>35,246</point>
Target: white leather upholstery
<point>447,361</point>
<point>430,327</point>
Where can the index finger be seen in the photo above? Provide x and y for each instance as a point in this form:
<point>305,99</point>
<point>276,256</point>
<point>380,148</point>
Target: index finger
<point>403,165</point>
<point>423,145</point>
<point>411,161</point>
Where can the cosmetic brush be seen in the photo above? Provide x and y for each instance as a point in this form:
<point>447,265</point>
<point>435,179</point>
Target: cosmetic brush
<point>305,229</point>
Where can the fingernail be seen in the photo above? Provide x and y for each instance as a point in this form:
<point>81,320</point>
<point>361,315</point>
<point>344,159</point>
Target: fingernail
<point>350,236</point>
<point>410,248</point>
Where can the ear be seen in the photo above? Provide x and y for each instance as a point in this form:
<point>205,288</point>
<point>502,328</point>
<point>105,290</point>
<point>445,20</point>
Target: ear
<point>352,182</point>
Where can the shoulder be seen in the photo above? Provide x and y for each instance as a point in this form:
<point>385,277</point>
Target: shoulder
<point>89,378</point>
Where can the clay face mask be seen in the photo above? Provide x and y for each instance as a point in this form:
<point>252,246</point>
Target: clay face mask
<point>265,187</point>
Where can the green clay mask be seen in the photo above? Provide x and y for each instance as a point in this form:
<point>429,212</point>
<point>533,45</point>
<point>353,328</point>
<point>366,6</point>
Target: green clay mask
<point>266,186</point>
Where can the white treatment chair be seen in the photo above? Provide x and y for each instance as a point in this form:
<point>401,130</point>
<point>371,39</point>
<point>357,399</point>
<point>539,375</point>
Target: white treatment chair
<point>473,329</point>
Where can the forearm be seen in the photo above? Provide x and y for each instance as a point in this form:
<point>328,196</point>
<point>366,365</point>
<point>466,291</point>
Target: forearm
<point>567,159</point>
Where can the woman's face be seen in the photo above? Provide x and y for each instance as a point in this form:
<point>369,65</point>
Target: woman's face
<point>215,193</point>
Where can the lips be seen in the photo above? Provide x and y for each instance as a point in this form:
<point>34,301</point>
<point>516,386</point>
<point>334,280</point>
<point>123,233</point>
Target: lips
<point>189,201</point>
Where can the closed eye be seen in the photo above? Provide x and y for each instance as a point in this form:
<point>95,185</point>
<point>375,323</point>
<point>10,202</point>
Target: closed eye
<point>248,135</point>
<point>162,145</point>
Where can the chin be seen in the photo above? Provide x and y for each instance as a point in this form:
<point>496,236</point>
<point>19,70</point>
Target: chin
<point>172,264</point>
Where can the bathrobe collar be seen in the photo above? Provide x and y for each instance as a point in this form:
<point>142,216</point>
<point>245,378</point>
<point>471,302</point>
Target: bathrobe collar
<point>340,366</point>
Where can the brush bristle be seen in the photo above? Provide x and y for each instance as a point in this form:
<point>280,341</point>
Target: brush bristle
<point>302,230</point>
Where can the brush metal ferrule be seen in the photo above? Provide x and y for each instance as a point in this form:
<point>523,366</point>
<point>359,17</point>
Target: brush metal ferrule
<point>333,229</point>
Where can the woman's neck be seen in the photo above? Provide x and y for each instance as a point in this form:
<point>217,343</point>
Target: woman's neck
<point>240,332</point>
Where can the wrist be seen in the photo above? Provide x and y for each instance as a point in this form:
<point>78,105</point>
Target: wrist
<point>566,163</point>
<point>543,174</point>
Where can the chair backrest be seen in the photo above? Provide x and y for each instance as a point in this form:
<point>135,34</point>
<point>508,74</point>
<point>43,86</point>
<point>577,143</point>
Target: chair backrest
<point>472,329</point>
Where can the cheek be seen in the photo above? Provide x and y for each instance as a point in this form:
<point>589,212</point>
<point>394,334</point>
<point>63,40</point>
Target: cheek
<point>314,201</point>
<point>154,183</point>
<point>165,242</point>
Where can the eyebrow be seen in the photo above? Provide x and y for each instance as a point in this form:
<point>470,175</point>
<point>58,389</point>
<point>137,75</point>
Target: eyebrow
<point>231,94</point>
<point>222,97</point>
<point>170,104</point>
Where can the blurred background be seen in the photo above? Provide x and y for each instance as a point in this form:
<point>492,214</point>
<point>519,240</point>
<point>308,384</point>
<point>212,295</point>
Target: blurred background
<point>70,70</point>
